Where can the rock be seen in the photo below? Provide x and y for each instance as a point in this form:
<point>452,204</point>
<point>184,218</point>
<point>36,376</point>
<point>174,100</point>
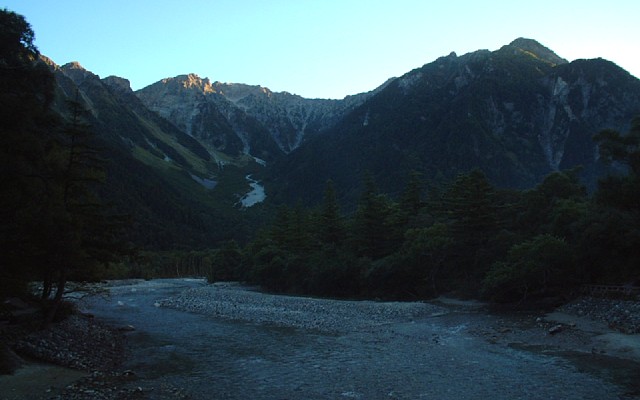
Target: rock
<point>556,329</point>
<point>127,328</point>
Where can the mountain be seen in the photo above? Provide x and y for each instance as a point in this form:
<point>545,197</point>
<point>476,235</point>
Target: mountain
<point>181,150</point>
<point>243,119</point>
<point>158,174</point>
<point>517,113</point>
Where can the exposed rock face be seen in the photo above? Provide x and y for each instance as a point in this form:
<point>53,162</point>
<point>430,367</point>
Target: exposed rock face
<point>118,84</point>
<point>77,73</point>
<point>238,118</point>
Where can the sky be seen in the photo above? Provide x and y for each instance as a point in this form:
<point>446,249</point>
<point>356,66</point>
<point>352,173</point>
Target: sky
<point>315,48</point>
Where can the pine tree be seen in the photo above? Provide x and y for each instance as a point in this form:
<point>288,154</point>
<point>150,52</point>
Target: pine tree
<point>370,229</point>
<point>411,199</point>
<point>331,229</point>
<point>26,132</point>
<point>471,213</point>
<point>87,233</point>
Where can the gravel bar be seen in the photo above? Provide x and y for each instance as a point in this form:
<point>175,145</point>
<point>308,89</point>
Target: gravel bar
<point>235,302</point>
<point>621,315</point>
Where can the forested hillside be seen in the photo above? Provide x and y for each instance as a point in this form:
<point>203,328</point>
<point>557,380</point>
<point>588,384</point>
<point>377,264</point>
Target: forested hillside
<point>467,237</point>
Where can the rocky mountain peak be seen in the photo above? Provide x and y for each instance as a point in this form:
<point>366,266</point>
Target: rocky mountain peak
<point>73,65</point>
<point>537,50</point>
<point>190,82</point>
<point>77,73</point>
<point>194,81</point>
<point>117,83</point>
<point>235,92</point>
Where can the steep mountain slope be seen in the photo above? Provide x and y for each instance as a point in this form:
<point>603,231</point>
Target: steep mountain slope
<point>166,180</point>
<point>517,113</point>
<point>243,119</point>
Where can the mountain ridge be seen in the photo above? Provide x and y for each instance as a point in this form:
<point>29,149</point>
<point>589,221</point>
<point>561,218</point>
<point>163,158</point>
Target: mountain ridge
<point>512,113</point>
<point>518,113</point>
<point>244,114</point>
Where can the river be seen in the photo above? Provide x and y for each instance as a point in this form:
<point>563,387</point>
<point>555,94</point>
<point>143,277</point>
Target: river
<point>428,357</point>
<point>255,196</point>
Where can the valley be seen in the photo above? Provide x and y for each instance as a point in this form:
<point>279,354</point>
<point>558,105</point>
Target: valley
<point>246,243</point>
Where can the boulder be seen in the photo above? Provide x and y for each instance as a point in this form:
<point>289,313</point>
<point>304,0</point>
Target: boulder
<point>556,329</point>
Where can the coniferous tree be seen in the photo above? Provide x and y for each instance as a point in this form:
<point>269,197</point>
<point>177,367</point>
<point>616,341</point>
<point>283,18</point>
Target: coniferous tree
<point>26,132</point>
<point>411,199</point>
<point>471,213</point>
<point>621,191</point>
<point>370,229</point>
<point>85,232</point>
<point>331,229</point>
<point>609,244</point>
<point>54,225</point>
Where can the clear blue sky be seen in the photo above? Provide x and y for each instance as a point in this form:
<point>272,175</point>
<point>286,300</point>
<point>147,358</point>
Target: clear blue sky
<point>315,48</point>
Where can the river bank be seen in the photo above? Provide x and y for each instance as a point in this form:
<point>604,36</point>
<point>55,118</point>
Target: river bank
<point>399,338</point>
<point>75,359</point>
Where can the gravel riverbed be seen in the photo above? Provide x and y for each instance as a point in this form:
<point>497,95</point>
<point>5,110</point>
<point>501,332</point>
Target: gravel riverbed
<point>236,302</point>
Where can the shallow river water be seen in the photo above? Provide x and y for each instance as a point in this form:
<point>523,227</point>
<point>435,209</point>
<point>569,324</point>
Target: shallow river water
<point>428,358</point>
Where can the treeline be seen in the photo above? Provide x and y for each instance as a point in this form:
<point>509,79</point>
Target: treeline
<point>466,237</point>
<point>219,264</point>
